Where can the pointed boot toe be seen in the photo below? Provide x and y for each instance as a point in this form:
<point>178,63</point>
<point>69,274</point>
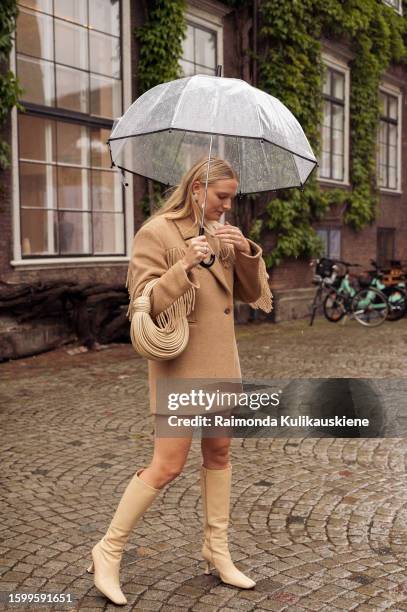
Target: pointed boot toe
<point>106,575</point>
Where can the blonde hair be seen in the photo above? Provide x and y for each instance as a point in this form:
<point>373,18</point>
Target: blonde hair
<point>180,202</point>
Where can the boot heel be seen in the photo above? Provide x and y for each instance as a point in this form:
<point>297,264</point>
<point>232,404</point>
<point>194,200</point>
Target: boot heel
<point>91,568</point>
<point>207,568</point>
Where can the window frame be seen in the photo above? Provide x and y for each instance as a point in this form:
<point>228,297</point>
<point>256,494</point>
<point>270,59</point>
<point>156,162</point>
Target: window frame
<point>41,262</point>
<point>339,66</point>
<point>398,10</point>
<point>396,92</point>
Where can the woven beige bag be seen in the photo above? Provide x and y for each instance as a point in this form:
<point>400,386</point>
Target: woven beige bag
<point>166,339</point>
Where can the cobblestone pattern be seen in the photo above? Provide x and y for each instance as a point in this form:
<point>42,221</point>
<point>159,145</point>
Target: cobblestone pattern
<point>320,524</point>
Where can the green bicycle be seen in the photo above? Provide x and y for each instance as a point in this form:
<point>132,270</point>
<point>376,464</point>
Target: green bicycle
<point>339,297</point>
<point>368,305</point>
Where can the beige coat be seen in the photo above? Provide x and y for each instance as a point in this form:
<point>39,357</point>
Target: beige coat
<point>211,351</point>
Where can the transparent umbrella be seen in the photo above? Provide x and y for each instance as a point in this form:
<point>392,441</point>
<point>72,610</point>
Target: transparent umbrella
<point>175,124</point>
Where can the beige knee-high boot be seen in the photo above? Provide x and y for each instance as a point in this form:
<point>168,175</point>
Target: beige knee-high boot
<point>106,554</point>
<point>216,487</point>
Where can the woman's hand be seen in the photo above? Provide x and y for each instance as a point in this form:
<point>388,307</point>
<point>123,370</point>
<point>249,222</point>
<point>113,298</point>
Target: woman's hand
<point>233,235</point>
<point>198,250</point>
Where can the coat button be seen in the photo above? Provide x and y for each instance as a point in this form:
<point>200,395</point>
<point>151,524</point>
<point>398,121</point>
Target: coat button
<point>227,310</point>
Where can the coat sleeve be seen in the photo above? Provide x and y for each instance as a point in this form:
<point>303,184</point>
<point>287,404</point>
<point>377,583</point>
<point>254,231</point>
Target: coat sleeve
<point>251,279</point>
<point>175,288</point>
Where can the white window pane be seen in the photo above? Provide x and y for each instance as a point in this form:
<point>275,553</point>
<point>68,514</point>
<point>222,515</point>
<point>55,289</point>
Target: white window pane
<point>188,44</point>
<point>393,156</point>
<point>104,15</point>
<point>34,34</point>
<point>72,89</point>
<point>38,232</point>
<point>72,10</point>
<point>392,135</point>
<point>202,70</point>
<point>106,191</point>
<point>392,177</point>
<point>327,114</point>
<point>393,107</point>
<point>71,44</point>
<point>338,84</point>
<point>36,138</point>
<point>335,243</point>
<point>382,175</point>
<point>100,157</point>
<point>337,167</point>
<point>326,138</point>
<point>323,234</point>
<point>37,79</point>
<point>73,144</point>
<point>73,188</point>
<point>205,48</point>
<point>75,233</point>
<point>187,68</point>
<point>338,114</point>
<point>37,185</point>
<point>337,142</point>
<point>104,54</point>
<point>325,164</point>
<point>382,154</point>
<point>108,231</point>
<point>383,132</point>
<point>105,97</point>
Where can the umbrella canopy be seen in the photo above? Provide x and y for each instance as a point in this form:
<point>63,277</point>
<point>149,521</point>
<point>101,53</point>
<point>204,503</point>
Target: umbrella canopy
<point>172,126</point>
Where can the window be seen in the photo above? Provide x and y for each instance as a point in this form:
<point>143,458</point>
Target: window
<point>69,65</point>
<point>331,239</point>
<point>385,245</point>
<point>334,156</point>
<point>199,55</point>
<point>389,152</point>
<point>203,44</point>
<point>396,4</point>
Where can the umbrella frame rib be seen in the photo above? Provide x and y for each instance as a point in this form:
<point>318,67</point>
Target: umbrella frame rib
<point>239,193</point>
<point>214,134</point>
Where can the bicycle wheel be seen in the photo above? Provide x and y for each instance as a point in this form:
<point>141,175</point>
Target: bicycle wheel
<point>397,301</point>
<point>369,307</point>
<point>334,307</point>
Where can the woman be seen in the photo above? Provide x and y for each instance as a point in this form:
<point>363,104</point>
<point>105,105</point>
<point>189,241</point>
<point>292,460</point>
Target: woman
<point>168,247</point>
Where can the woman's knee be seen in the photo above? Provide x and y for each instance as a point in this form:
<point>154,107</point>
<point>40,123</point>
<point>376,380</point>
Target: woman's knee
<point>216,454</point>
<point>166,472</point>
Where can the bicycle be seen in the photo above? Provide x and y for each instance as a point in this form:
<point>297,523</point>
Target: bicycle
<point>393,287</point>
<point>368,305</point>
<point>324,277</point>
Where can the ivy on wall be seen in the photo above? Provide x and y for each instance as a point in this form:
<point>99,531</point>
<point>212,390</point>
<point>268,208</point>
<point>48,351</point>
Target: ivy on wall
<point>160,40</point>
<point>290,67</point>
<point>9,88</point>
<point>292,70</point>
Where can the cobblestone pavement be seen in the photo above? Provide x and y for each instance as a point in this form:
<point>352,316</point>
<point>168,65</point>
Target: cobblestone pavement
<point>320,524</point>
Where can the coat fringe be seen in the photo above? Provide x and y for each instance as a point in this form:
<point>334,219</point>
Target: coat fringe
<point>179,309</point>
<point>265,301</point>
<point>227,255</point>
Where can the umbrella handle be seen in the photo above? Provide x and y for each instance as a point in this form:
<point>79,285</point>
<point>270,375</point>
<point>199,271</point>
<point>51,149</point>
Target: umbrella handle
<point>212,257</point>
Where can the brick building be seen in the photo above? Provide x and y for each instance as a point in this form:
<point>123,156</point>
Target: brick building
<point>64,212</point>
